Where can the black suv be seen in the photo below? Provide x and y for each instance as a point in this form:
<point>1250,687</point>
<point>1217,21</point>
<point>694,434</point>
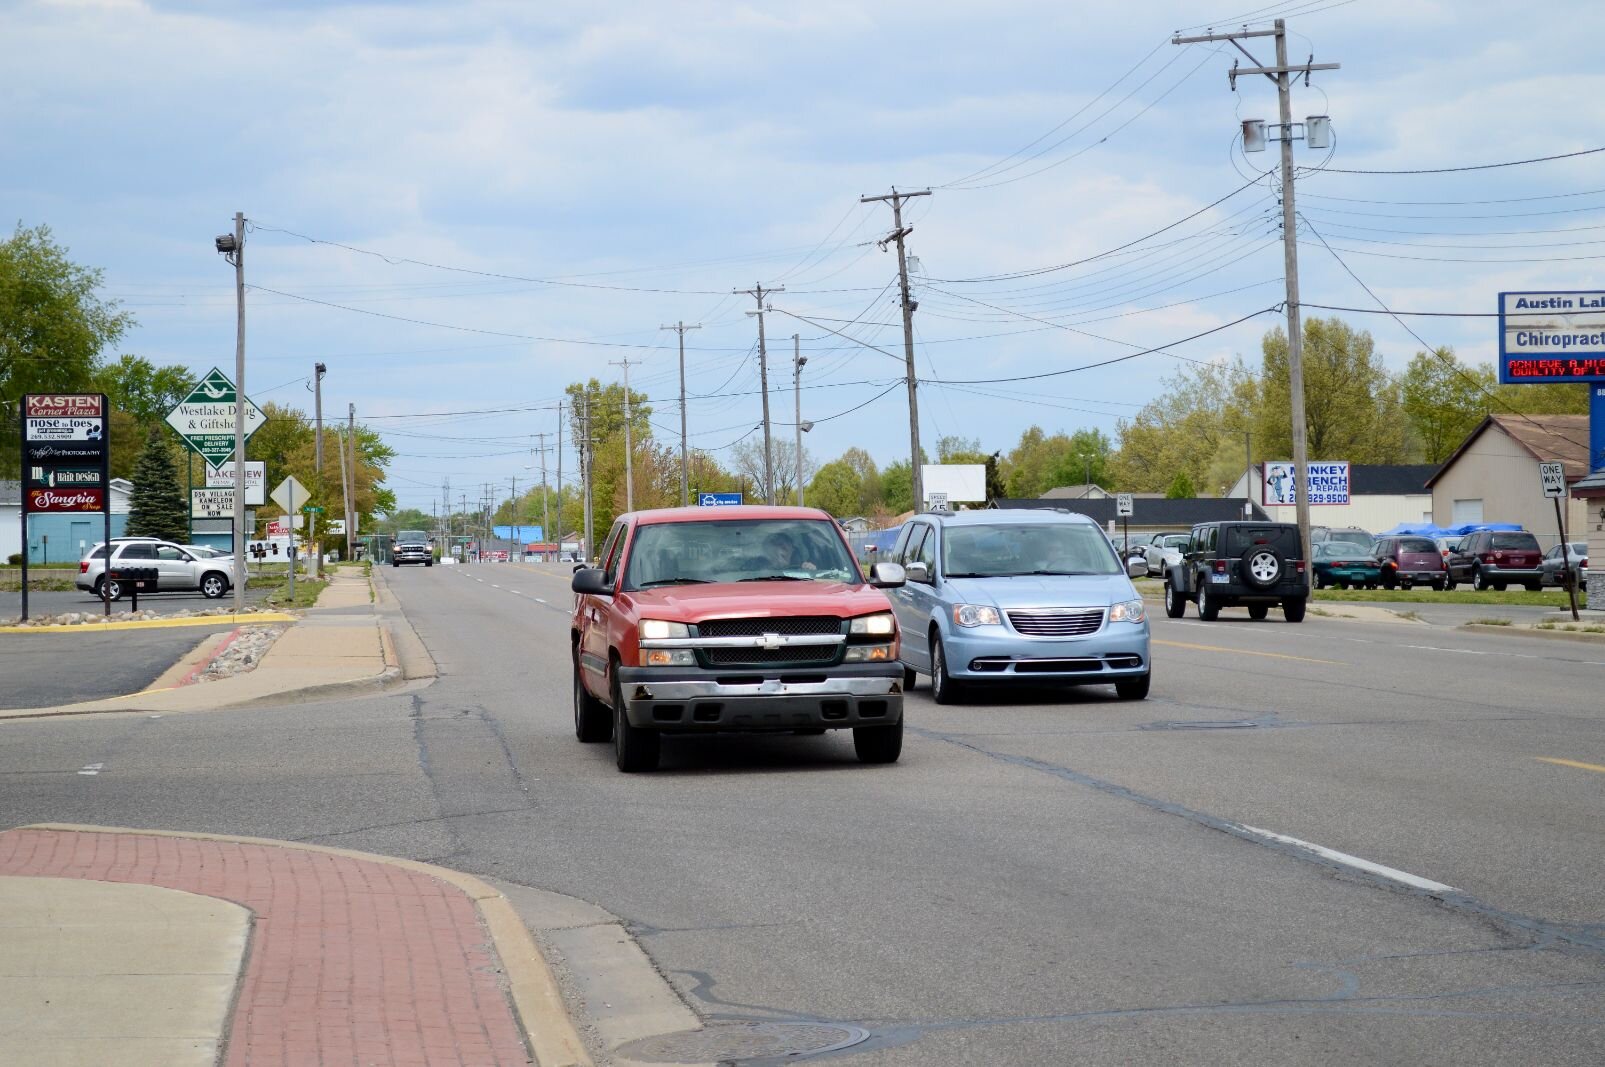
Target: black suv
<point>1253,564</point>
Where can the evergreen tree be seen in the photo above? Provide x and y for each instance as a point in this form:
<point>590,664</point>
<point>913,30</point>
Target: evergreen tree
<point>1181,487</point>
<point>157,507</point>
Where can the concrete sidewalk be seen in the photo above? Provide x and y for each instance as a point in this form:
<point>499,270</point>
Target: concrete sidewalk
<point>128,947</point>
<point>348,643</point>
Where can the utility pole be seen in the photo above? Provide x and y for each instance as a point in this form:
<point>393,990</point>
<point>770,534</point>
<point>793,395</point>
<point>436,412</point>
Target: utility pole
<point>318,371</point>
<point>345,489</point>
<point>546,511</point>
<point>685,476</point>
<point>629,470</point>
<point>518,538</point>
<point>1281,75</point>
<point>239,417</point>
<point>899,232</point>
<point>445,514</point>
<point>351,497</point>
<point>797,361</point>
<point>758,293</point>
<point>558,540</point>
<point>586,460</point>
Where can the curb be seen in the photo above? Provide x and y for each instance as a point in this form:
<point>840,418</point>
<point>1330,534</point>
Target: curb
<point>1528,631</point>
<point>244,619</point>
<point>537,1000</point>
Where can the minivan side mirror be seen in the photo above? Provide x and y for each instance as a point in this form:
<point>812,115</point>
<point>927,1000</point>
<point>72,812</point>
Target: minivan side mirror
<point>591,581</point>
<point>887,575</point>
<point>917,572</point>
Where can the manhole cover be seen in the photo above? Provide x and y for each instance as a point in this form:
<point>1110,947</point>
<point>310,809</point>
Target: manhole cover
<point>743,1041</point>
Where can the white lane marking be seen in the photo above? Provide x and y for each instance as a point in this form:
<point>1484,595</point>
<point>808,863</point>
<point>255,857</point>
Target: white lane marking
<point>1390,873</point>
<point>538,600</point>
<point>495,586</point>
<point>91,769</point>
<point>515,592</point>
<point>1435,648</point>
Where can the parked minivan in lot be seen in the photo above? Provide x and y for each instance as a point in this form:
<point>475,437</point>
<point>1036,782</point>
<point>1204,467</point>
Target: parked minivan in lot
<point>1023,597</point>
<point>1492,559</point>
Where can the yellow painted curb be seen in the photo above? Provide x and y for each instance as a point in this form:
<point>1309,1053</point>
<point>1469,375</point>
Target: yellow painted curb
<point>245,619</point>
<point>536,998</point>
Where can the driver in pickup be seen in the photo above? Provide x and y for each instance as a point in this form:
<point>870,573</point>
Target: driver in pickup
<point>783,554</point>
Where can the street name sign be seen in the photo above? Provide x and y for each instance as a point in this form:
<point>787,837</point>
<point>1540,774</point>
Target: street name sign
<point>1553,477</point>
<point>205,418</point>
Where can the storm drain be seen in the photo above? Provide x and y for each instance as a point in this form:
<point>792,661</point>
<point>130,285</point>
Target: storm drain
<point>743,1041</point>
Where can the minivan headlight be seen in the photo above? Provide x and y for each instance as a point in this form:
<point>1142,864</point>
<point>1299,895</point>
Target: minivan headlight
<point>975,615</point>
<point>1127,611</point>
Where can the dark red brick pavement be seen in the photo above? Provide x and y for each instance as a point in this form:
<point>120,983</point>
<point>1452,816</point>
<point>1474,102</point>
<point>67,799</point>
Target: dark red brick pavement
<point>351,962</point>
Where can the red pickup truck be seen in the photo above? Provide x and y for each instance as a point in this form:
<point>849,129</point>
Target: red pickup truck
<point>706,620</point>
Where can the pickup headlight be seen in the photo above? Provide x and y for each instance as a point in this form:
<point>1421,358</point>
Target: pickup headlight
<point>882,625</point>
<point>975,615</point>
<point>1127,611</point>
<point>869,654</point>
<point>658,630</point>
<point>668,657</point>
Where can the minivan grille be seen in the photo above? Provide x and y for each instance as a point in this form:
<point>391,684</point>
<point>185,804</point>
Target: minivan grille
<point>1073,622</point>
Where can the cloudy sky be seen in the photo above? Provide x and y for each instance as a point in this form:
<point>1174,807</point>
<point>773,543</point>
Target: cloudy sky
<point>504,197</point>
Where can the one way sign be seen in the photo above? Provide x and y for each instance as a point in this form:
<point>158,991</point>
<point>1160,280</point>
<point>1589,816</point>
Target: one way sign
<point>1553,475</point>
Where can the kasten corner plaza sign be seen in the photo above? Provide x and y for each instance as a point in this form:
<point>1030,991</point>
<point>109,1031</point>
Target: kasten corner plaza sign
<point>1551,337</point>
<point>64,452</point>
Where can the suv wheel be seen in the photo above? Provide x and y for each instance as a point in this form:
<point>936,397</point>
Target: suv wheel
<point>944,690</point>
<point>213,586</point>
<point>1208,610</point>
<point>1175,603</point>
<point>591,719</point>
<point>1262,567</point>
<point>634,749</point>
<point>1293,609</point>
<point>878,744</point>
<point>113,590</point>
<point>1478,582</point>
<point>1258,612</point>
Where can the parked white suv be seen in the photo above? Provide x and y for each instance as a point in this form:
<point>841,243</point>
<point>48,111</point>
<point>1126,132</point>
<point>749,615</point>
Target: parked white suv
<point>177,570</point>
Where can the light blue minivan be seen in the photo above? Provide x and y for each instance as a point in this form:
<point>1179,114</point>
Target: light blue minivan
<point>1017,596</point>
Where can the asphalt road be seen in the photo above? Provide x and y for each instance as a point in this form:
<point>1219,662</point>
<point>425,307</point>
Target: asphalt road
<point>59,603</point>
<point>1042,878</point>
<point>44,669</point>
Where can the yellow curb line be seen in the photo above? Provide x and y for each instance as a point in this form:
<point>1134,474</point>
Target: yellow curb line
<point>530,983</point>
<point>1571,763</point>
<point>244,619</point>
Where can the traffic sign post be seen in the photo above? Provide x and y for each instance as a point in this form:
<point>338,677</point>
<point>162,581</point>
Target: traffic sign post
<point>285,496</point>
<point>1553,478</point>
<point>1123,508</point>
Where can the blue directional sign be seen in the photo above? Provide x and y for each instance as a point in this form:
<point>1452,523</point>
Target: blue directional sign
<point>718,500</point>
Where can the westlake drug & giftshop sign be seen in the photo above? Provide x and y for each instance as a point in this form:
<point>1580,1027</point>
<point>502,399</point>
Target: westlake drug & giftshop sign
<point>205,418</point>
<point>1551,337</point>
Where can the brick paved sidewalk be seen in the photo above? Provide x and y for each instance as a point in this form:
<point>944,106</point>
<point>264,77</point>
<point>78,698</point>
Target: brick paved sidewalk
<point>351,962</point>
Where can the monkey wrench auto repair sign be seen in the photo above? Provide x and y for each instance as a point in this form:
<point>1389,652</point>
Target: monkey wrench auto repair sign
<point>1551,337</point>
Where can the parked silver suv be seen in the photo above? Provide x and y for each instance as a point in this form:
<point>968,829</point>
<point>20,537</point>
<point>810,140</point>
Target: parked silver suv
<point>177,570</point>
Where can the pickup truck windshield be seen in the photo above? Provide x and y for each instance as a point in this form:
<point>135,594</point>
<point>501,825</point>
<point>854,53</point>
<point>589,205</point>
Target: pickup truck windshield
<point>738,550</point>
<point>412,537</point>
<point>998,551</point>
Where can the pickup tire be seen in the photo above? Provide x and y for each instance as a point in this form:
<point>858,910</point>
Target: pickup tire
<point>429,563</point>
<point>592,720</point>
<point>910,676</point>
<point>634,749</point>
<point>878,744</point>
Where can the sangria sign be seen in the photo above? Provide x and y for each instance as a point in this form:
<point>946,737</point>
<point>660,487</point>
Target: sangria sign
<point>65,452</point>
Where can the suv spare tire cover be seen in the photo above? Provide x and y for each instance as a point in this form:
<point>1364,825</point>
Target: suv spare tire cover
<point>1262,566</point>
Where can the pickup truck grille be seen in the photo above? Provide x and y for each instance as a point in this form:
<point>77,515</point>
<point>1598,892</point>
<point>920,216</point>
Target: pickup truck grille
<point>796,655</point>
<point>1076,622</point>
<point>786,626</point>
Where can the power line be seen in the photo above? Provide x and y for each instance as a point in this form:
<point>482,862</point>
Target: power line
<point>1457,170</point>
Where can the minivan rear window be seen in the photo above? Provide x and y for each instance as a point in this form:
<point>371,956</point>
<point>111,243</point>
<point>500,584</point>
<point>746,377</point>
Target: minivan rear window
<point>1518,541</point>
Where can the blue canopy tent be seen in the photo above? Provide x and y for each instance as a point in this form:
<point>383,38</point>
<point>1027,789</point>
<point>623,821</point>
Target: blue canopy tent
<point>1427,529</point>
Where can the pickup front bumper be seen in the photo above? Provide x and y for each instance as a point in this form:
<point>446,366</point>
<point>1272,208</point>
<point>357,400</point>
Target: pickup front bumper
<point>688,700</point>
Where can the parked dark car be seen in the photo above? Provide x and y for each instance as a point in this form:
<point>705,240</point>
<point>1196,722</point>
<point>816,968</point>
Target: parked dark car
<point>1403,562</point>
<point>1493,559</point>
<point>1351,535</point>
<point>1345,565</point>
<point>1252,564</point>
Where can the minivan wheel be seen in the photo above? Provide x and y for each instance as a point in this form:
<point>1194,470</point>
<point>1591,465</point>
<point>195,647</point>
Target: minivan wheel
<point>944,690</point>
<point>1134,688</point>
<point>213,586</point>
<point>634,749</point>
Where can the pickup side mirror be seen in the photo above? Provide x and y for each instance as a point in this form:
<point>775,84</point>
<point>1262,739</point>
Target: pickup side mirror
<point>1136,568</point>
<point>580,567</point>
<point>886,575</point>
<point>591,581</point>
<point>916,572</point>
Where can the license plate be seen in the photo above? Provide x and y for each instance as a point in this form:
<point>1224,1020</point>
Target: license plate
<point>1220,579</point>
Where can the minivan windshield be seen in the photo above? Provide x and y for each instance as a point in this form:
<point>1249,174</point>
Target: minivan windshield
<point>1026,548</point>
<point>738,550</point>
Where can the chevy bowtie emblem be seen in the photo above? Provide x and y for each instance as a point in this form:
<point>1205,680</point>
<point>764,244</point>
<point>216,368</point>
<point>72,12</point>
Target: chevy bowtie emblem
<point>770,641</point>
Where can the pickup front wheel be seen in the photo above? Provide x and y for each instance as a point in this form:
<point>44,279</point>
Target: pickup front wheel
<point>592,722</point>
<point>878,744</point>
<point>634,749</point>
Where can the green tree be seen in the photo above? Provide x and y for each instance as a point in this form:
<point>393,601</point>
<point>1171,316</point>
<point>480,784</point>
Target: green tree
<point>1202,414</point>
<point>53,325</point>
<point>1444,401</point>
<point>157,507</point>
<point>897,487</point>
<point>1086,451</point>
<point>606,406</point>
<point>1181,487</point>
<point>1352,407</point>
<point>954,449</point>
<point>870,499</point>
<point>836,489</point>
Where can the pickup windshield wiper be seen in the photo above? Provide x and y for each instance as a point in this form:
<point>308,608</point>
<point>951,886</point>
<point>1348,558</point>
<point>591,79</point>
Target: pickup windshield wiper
<point>675,581</point>
<point>777,578</point>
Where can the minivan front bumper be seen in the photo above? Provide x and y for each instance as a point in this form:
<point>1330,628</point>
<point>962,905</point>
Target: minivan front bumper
<point>1120,650</point>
